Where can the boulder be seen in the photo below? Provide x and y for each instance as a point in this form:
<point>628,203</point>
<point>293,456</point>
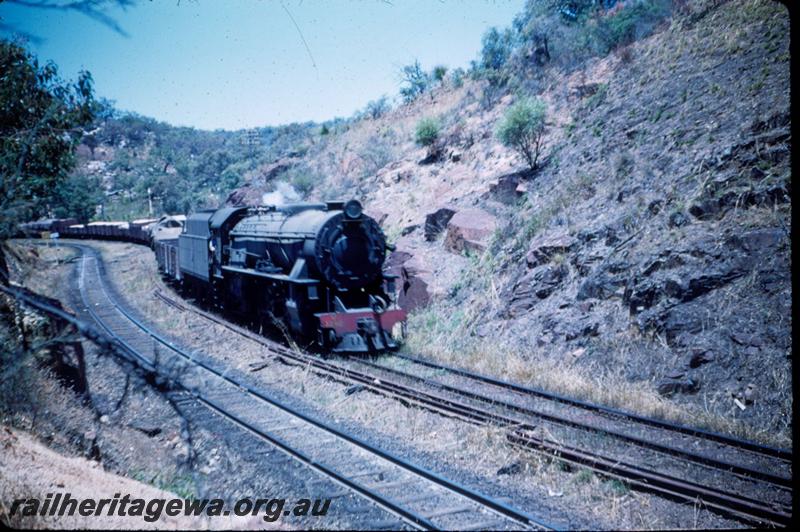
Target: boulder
<point>436,222</point>
<point>514,468</point>
<point>396,259</point>
<point>470,230</point>
<point>581,328</point>
<point>655,206</point>
<point>413,279</point>
<point>676,382</point>
<point>542,247</point>
<point>700,356</point>
<point>705,209</point>
<point>759,239</point>
<point>414,283</point>
<point>565,326</point>
<point>506,188</point>
<point>641,297</point>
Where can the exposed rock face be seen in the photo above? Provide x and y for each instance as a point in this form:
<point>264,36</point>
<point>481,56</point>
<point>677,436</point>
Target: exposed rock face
<point>395,172</point>
<point>469,230</point>
<point>436,222</point>
<point>543,247</point>
<point>534,286</point>
<point>680,277</point>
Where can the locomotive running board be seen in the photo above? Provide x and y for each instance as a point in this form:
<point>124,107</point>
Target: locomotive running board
<point>271,276</point>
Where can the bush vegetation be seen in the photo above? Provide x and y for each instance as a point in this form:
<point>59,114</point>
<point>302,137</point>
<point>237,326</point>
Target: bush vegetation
<point>565,33</point>
<point>377,108</point>
<point>521,129</point>
<point>427,132</point>
<point>42,120</point>
<point>416,82</point>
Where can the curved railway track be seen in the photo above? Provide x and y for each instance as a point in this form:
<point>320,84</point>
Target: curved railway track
<point>419,497</point>
<point>461,403</point>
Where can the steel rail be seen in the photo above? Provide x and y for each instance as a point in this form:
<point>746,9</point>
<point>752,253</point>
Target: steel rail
<point>645,479</point>
<point>767,450</point>
<point>699,458</point>
<point>497,506</point>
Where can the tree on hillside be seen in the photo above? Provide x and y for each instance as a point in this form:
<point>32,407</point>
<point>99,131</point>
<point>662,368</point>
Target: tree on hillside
<point>416,81</point>
<point>41,122</point>
<point>522,128</point>
<point>377,108</point>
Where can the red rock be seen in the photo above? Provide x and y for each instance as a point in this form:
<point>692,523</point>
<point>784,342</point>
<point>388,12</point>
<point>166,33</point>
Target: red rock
<point>469,229</point>
<point>246,195</point>
<point>436,222</point>
<point>413,280</point>
<point>414,291</point>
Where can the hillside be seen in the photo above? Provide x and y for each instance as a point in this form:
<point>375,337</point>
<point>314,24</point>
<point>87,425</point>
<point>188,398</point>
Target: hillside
<point>646,264</point>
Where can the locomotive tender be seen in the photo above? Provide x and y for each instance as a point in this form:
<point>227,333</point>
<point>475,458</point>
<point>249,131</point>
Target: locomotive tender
<point>314,268</point>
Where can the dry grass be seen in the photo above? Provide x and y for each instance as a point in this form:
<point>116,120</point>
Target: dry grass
<point>445,334</point>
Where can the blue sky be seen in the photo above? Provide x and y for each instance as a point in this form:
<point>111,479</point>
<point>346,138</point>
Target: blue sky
<point>242,63</point>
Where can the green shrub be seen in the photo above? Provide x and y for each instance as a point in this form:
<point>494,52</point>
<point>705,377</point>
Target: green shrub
<point>439,72</point>
<point>427,132</point>
<point>521,129</point>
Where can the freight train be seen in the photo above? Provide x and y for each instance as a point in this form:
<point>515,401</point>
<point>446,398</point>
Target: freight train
<point>312,269</point>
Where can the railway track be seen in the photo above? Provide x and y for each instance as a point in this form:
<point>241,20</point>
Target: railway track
<point>522,422</point>
<point>417,496</point>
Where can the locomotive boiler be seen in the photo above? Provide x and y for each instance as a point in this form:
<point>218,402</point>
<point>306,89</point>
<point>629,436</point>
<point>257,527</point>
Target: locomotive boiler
<point>314,269</point>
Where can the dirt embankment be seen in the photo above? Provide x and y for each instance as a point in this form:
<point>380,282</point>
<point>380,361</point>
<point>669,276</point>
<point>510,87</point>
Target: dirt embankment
<point>29,469</point>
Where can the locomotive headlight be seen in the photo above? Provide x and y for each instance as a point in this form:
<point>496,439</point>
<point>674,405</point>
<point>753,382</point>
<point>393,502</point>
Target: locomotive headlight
<point>353,209</point>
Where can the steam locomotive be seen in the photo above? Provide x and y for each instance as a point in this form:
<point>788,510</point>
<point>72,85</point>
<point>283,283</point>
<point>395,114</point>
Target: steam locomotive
<point>315,269</point>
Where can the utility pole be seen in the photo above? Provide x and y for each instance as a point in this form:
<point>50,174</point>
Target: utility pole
<point>150,201</point>
<point>251,138</point>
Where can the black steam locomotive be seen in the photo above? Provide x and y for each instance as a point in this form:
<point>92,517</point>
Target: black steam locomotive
<point>315,269</point>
